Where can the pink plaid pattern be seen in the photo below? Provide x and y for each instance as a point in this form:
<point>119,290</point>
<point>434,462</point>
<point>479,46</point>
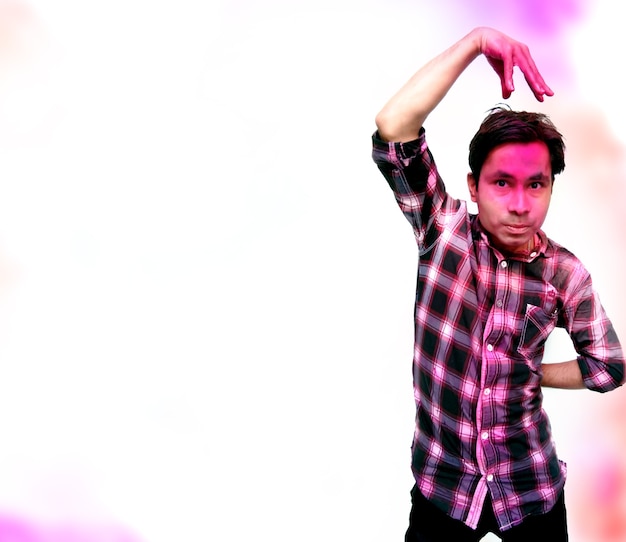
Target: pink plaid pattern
<point>481,322</point>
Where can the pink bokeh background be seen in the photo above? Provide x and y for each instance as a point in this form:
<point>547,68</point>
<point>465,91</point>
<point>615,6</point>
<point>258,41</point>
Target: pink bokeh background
<point>205,288</point>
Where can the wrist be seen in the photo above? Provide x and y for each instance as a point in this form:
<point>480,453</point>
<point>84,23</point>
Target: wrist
<point>476,38</point>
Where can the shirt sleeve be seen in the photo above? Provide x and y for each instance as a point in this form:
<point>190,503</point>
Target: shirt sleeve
<point>410,171</point>
<point>600,355</point>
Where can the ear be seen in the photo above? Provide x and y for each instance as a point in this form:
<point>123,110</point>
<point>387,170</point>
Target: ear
<point>471,184</point>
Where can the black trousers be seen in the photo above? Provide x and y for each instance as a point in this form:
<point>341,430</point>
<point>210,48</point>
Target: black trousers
<point>427,523</point>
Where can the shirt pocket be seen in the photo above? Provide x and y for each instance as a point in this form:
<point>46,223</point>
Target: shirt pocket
<point>539,322</point>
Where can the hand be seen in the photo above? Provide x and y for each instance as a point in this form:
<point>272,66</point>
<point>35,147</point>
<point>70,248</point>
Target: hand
<point>504,53</point>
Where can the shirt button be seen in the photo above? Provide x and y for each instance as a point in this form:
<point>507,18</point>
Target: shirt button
<point>533,254</point>
<point>499,303</point>
<point>487,391</point>
<point>484,435</point>
<point>490,347</point>
<point>490,478</point>
<point>504,264</point>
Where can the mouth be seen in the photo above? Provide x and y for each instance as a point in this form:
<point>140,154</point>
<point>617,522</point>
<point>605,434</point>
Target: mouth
<point>517,229</point>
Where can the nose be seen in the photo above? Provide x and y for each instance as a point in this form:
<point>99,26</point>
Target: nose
<point>519,201</point>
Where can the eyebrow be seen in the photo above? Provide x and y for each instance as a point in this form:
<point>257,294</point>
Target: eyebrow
<point>536,177</point>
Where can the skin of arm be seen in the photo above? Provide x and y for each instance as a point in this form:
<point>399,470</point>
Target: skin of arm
<point>404,114</point>
<point>565,375</point>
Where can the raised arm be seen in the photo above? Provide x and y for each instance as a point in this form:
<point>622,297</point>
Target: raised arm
<point>402,117</point>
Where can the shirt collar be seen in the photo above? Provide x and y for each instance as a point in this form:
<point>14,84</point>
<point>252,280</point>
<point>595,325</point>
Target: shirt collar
<point>543,249</point>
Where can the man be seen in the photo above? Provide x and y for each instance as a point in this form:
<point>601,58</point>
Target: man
<point>491,287</point>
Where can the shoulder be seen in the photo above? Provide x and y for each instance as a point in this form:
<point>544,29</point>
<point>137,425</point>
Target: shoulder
<point>568,271</point>
<point>561,254</point>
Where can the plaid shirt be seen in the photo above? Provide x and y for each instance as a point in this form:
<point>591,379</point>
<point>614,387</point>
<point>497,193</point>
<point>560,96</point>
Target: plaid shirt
<point>481,322</point>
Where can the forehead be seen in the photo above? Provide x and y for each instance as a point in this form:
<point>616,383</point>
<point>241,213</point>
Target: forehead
<point>522,158</point>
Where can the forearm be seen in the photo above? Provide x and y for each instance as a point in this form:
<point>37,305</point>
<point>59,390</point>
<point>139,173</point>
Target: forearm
<point>565,375</point>
<point>404,114</point>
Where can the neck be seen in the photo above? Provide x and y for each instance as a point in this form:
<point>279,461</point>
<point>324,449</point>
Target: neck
<point>532,244</point>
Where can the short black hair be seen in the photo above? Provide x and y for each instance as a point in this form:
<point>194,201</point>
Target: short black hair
<point>503,125</point>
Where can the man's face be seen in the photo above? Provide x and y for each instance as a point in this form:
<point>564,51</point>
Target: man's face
<point>513,194</point>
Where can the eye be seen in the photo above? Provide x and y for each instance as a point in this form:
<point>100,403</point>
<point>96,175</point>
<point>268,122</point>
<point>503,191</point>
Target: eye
<point>501,183</point>
<point>536,185</point>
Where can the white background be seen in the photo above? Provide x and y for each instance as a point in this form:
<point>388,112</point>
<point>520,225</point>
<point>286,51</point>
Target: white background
<point>206,288</point>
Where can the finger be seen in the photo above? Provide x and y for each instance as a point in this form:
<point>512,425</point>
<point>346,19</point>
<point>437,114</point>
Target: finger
<point>506,92</point>
<point>507,74</point>
<point>498,67</point>
<point>538,86</point>
<point>533,77</point>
